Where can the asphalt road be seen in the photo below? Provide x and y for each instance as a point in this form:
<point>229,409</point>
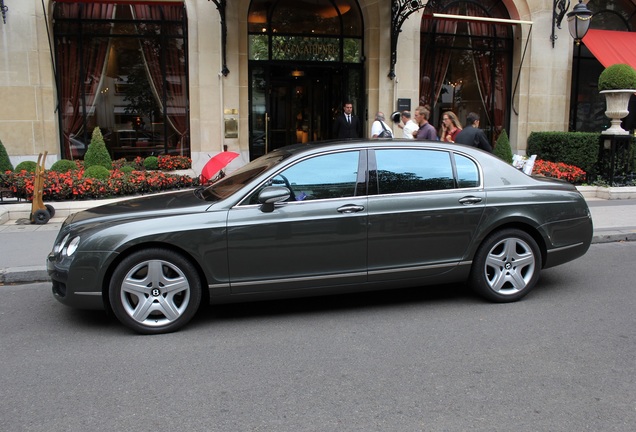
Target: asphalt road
<point>441,359</point>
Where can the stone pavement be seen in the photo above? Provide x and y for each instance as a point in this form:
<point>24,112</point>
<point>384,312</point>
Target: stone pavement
<point>24,247</point>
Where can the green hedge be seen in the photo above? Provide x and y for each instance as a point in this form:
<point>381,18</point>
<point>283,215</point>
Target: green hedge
<point>573,148</point>
<point>28,166</point>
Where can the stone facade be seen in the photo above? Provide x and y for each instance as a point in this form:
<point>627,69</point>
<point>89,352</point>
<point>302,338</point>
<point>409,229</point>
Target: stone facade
<point>29,121</point>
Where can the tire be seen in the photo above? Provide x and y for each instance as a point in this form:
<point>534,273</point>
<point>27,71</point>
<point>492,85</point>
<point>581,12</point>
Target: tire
<point>155,291</point>
<point>506,266</point>
<point>51,209</point>
<point>40,217</point>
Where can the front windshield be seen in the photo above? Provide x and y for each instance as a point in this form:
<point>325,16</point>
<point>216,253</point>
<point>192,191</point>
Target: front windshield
<point>242,176</point>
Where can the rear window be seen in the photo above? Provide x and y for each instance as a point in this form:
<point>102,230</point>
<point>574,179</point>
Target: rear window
<point>413,170</point>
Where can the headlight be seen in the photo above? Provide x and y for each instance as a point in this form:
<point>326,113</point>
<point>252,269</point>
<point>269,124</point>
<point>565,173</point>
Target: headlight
<point>59,246</point>
<point>72,246</point>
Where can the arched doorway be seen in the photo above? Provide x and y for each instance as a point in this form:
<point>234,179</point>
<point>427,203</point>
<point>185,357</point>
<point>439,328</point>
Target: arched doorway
<point>305,60</point>
<point>465,64</point>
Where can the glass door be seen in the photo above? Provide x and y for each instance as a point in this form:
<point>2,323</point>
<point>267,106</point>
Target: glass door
<point>298,104</point>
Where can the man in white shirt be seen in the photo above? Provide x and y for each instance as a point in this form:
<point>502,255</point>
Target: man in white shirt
<point>379,129</point>
<point>409,126</point>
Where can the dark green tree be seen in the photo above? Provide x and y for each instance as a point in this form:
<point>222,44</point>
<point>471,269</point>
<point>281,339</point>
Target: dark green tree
<point>502,147</point>
<point>139,94</point>
<point>97,153</point>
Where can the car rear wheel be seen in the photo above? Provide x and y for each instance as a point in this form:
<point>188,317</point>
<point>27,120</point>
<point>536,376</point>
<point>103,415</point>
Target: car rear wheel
<point>155,291</point>
<point>506,266</point>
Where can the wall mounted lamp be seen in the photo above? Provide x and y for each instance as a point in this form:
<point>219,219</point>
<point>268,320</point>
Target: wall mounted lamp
<point>4,9</point>
<point>579,21</point>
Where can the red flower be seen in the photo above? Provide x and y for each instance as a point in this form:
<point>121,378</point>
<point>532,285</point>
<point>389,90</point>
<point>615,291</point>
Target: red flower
<point>559,170</point>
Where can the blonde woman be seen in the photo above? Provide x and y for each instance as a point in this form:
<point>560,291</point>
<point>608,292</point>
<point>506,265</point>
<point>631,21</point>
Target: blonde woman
<point>450,127</point>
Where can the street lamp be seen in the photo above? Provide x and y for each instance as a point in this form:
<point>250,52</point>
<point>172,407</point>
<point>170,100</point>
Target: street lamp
<point>579,21</point>
<point>4,11</point>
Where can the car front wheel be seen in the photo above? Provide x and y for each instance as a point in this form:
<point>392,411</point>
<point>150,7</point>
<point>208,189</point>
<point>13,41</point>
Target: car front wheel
<point>506,266</point>
<point>155,291</point>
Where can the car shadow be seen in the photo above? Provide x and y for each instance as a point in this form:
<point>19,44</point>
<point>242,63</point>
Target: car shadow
<point>208,315</point>
<point>446,294</point>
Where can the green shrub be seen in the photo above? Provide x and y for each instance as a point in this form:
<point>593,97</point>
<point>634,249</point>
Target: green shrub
<point>126,169</point>
<point>151,163</point>
<point>63,165</point>
<point>28,166</point>
<point>97,153</point>
<point>617,76</point>
<point>502,148</point>
<point>5,162</point>
<point>572,148</point>
<point>97,172</point>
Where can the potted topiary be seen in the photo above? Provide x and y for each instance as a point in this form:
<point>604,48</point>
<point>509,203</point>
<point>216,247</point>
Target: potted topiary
<point>617,82</point>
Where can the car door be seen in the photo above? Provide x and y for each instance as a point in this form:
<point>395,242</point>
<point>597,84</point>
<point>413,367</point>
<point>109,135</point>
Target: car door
<point>421,219</point>
<point>317,238</point>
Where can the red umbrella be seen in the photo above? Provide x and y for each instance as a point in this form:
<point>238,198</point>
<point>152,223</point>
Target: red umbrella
<point>216,164</point>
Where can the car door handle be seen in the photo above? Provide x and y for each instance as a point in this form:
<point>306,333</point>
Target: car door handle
<point>470,200</point>
<point>350,208</point>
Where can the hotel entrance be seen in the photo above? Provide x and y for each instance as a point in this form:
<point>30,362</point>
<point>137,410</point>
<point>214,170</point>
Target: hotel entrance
<point>305,61</point>
<point>292,105</point>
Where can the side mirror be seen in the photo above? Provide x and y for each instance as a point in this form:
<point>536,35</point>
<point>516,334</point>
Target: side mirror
<point>272,195</point>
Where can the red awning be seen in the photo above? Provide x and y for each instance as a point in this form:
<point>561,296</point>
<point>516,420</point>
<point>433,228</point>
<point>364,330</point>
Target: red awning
<point>611,47</point>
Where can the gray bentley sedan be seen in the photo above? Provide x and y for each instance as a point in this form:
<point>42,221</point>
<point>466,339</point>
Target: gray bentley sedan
<point>318,219</point>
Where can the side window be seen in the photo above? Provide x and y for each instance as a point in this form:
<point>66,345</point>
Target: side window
<point>467,172</point>
<point>327,176</point>
<point>413,170</point>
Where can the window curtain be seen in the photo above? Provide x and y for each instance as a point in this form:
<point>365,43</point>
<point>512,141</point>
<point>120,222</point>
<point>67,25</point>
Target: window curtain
<point>487,61</point>
<point>172,56</point>
<point>434,63</point>
<point>80,65</point>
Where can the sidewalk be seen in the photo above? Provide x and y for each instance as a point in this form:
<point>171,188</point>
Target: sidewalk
<point>24,247</point>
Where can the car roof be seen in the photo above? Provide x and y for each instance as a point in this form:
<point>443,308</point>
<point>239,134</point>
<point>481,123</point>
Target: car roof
<point>375,143</point>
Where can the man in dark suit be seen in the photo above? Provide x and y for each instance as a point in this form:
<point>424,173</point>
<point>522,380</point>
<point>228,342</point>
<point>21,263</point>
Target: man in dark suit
<point>473,136</point>
<point>347,125</point>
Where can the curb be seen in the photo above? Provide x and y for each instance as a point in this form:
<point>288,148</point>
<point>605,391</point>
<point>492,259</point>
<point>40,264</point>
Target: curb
<point>614,237</point>
<point>20,275</point>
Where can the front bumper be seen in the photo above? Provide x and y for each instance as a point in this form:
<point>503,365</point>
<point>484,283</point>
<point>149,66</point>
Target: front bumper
<point>77,282</point>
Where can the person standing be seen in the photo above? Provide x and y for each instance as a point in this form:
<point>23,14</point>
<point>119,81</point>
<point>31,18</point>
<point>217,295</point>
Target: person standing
<point>347,125</point>
<point>425,131</point>
<point>379,129</point>
<point>410,127</point>
<point>473,136</point>
<point>450,127</point>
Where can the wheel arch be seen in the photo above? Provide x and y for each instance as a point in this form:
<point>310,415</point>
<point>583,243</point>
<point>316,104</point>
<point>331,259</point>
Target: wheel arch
<point>526,227</point>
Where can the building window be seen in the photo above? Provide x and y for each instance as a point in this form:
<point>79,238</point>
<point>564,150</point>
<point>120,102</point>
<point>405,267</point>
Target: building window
<point>305,30</point>
<point>122,68</point>
<point>466,65</point>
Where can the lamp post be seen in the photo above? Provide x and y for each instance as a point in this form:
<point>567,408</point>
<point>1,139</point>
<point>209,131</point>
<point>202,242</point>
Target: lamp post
<point>579,21</point>
<point>4,11</point>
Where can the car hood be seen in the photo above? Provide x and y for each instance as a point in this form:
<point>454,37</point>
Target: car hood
<point>145,207</point>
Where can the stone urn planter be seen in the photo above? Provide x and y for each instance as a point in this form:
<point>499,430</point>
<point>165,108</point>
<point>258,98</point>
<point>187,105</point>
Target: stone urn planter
<point>617,102</point>
<point>618,83</point>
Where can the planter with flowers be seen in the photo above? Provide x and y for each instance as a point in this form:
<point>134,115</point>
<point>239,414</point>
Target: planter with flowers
<point>618,83</point>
